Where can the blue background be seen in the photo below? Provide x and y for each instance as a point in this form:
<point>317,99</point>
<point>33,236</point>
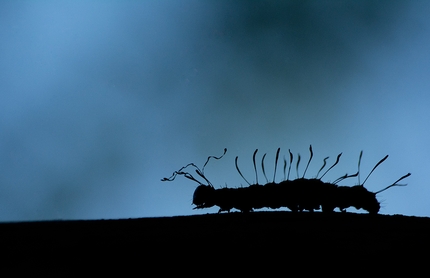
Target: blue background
<point>99,100</point>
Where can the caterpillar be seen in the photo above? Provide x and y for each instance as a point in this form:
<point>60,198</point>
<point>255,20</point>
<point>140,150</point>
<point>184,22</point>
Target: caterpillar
<point>300,194</point>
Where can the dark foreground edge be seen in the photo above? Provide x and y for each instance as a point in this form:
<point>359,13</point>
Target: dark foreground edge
<point>226,236</point>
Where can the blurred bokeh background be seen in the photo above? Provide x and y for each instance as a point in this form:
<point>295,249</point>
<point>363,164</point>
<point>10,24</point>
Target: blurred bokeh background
<point>100,100</point>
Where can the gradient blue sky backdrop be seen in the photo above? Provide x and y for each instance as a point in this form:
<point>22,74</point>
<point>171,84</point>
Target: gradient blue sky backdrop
<point>99,100</point>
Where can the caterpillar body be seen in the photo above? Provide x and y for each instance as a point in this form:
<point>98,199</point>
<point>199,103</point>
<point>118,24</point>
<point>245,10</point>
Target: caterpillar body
<point>296,195</point>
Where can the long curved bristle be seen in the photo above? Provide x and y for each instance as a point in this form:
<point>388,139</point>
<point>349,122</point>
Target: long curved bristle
<point>310,158</point>
<point>359,161</point>
<point>337,161</point>
<point>291,162</point>
<point>255,166</point>
<point>262,166</point>
<point>240,173</point>
<point>297,165</point>
<point>285,167</point>
<point>276,163</point>
<point>394,184</point>
<point>377,164</point>
<point>324,164</point>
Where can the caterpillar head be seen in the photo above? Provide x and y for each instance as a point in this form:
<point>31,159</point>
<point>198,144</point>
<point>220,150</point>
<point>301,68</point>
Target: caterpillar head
<point>365,199</point>
<point>361,198</point>
<point>203,196</point>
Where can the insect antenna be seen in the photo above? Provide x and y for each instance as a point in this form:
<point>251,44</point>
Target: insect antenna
<point>185,174</point>
<point>255,167</point>
<point>310,158</point>
<point>179,172</point>
<point>325,162</point>
<point>377,164</point>
<point>337,161</point>
<point>262,166</point>
<point>395,183</point>
<point>276,163</point>
<point>214,157</point>
<point>189,176</point>
<point>240,173</point>
<point>200,173</point>
<point>291,162</point>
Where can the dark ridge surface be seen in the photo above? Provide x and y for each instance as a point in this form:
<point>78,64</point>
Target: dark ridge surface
<point>227,236</point>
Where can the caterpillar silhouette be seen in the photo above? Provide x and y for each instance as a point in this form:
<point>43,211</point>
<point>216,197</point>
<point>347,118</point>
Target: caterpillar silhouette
<point>296,195</point>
